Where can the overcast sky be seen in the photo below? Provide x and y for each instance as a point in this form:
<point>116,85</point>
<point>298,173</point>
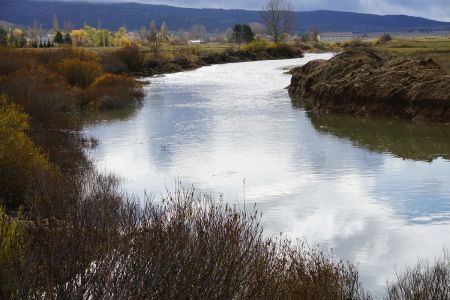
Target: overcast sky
<point>434,9</point>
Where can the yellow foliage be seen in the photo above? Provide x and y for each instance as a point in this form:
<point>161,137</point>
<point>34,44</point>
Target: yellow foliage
<point>257,46</point>
<point>20,160</point>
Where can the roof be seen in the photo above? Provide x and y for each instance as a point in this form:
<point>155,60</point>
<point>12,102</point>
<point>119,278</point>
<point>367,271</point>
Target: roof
<point>336,34</point>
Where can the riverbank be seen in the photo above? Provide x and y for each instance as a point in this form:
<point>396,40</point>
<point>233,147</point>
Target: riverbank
<point>361,82</point>
<point>256,51</point>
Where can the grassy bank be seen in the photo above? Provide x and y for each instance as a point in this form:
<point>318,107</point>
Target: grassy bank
<point>436,48</point>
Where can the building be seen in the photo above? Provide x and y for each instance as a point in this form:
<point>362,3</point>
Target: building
<point>335,37</point>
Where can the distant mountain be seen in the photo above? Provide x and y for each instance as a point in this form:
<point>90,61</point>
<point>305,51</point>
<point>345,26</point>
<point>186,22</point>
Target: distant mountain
<point>135,15</point>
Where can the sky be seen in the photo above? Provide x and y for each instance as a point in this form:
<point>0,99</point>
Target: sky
<point>433,9</point>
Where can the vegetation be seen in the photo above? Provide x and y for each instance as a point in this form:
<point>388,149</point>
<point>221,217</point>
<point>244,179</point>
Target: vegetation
<point>278,17</point>
<point>424,281</point>
<point>435,48</point>
<point>68,232</point>
<point>242,34</point>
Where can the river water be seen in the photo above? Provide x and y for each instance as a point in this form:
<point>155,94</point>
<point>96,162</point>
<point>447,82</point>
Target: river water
<point>376,191</point>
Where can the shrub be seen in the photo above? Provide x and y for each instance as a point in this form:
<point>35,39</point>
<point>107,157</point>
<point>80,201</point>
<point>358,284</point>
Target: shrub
<point>13,247</point>
<point>112,63</point>
<point>355,43</point>
<point>132,57</point>
<point>21,161</point>
<point>79,73</point>
<point>112,91</point>
<point>13,60</point>
<point>194,248</point>
<point>256,46</point>
<point>424,281</point>
<point>384,39</point>
<point>285,51</point>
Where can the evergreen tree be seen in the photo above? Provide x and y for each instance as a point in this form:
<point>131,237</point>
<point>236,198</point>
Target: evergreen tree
<point>247,33</point>
<point>237,33</point>
<point>41,45</point>
<point>58,38</point>
<point>3,37</point>
<point>242,33</point>
<point>49,45</point>
<point>67,39</point>
<point>22,41</point>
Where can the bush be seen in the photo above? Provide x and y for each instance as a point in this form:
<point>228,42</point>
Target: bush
<point>112,63</point>
<point>423,281</point>
<point>79,73</point>
<point>13,247</point>
<point>132,57</point>
<point>356,43</point>
<point>384,39</point>
<point>256,46</point>
<point>193,248</point>
<point>112,91</point>
<point>285,51</point>
<point>21,161</point>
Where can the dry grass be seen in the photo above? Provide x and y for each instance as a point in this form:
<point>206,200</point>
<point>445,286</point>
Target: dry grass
<point>437,48</point>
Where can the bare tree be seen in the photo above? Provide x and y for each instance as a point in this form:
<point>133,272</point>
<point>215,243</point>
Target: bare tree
<point>278,17</point>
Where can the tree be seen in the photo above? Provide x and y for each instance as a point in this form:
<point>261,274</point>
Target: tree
<point>55,24</point>
<point>121,37</point>
<point>3,37</point>
<point>242,33</point>
<point>164,32</point>
<point>58,38</point>
<point>247,33</point>
<point>153,32</point>
<point>67,39</point>
<point>198,32</point>
<point>237,34</point>
<point>278,17</point>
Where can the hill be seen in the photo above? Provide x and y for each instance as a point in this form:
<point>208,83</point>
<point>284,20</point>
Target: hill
<point>135,15</point>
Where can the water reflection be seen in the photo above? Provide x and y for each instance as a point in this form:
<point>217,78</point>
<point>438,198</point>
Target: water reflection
<point>405,139</point>
<point>338,181</point>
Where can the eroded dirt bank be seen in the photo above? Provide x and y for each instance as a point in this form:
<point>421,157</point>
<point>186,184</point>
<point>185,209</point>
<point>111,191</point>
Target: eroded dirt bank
<point>360,82</point>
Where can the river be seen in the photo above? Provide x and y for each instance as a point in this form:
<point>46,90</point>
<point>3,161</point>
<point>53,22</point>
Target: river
<point>376,191</point>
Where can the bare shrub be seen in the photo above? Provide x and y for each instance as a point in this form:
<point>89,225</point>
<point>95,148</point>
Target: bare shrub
<point>185,247</point>
<point>422,282</point>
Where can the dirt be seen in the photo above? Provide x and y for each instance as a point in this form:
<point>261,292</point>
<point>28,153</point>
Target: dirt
<point>359,82</point>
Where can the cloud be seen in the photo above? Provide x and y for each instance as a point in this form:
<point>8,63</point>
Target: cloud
<point>433,9</point>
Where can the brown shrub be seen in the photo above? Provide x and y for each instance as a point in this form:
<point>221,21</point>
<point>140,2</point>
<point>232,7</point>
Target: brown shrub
<point>132,57</point>
<point>422,282</point>
<point>79,73</point>
<point>112,63</point>
<point>112,91</point>
<point>13,60</point>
